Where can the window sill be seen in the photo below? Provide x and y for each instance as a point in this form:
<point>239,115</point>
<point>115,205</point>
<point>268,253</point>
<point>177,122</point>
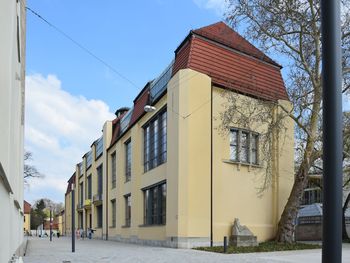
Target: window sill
<point>243,164</point>
<point>112,226</point>
<point>126,226</point>
<point>154,225</point>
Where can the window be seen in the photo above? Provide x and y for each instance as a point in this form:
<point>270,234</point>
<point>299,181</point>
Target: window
<point>155,205</point>
<point>113,204</point>
<point>99,180</point>
<point>127,210</point>
<point>88,160</point>
<point>114,170</point>
<point>99,147</point>
<point>155,141</point>
<point>99,216</point>
<point>127,160</point>
<point>244,146</point>
<point>80,166</point>
<point>313,192</point>
<point>81,190</point>
<point>89,187</point>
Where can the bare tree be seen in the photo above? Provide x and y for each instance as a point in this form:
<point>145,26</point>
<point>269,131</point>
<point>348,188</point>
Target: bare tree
<point>30,171</point>
<point>291,28</point>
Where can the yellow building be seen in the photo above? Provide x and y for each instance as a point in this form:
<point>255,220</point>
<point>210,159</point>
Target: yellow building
<point>164,173</point>
<point>26,224</point>
<point>59,220</point>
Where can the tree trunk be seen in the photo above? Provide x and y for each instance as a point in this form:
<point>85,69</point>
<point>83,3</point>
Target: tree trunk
<point>285,231</point>
<point>345,234</point>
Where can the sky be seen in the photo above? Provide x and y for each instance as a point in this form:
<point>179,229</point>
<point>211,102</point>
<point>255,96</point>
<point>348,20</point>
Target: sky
<point>70,94</point>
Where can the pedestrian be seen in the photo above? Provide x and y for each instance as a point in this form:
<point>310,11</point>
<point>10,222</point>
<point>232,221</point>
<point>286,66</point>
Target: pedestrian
<point>58,234</point>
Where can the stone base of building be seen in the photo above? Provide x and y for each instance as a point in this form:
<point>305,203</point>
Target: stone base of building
<point>172,242</point>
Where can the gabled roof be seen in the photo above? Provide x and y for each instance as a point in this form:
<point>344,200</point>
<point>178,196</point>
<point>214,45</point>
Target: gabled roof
<point>223,34</point>
<point>231,62</point>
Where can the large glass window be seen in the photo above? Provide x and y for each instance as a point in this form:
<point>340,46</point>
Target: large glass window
<point>128,160</point>
<point>99,147</point>
<point>100,179</point>
<point>88,160</point>
<point>89,187</point>
<point>99,216</point>
<point>81,191</point>
<point>127,210</point>
<point>244,146</point>
<point>155,141</point>
<point>155,205</point>
<point>114,170</point>
<point>114,211</point>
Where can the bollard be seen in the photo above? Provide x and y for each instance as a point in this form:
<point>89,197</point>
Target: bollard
<point>225,244</point>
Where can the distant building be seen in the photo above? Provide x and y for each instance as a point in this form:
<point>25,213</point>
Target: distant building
<point>162,173</point>
<point>309,222</point>
<point>26,224</point>
<point>12,83</point>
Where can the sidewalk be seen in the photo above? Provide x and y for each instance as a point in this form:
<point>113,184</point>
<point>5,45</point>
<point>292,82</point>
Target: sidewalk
<point>59,250</point>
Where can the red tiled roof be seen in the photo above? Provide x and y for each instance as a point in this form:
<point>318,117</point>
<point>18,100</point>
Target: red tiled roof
<point>225,35</point>
<point>116,128</point>
<point>70,182</point>
<point>26,207</point>
<point>139,106</point>
<point>231,62</point>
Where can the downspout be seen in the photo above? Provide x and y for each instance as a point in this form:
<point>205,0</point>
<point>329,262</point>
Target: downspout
<point>211,165</point>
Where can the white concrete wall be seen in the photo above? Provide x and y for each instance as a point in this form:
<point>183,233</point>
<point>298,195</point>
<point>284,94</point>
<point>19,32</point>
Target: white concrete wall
<point>12,77</point>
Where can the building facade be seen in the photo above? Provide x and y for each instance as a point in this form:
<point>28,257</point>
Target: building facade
<point>164,173</point>
<point>26,224</point>
<point>12,81</point>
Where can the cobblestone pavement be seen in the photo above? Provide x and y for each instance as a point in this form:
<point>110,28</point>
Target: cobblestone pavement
<point>59,250</point>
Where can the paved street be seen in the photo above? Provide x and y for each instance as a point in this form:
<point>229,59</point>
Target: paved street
<point>41,250</point>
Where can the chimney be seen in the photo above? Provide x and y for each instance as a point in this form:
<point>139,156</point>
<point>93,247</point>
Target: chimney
<point>121,111</point>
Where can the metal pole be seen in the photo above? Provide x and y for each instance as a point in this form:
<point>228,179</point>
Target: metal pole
<point>332,132</point>
<point>225,244</point>
<point>73,220</point>
<point>50,224</point>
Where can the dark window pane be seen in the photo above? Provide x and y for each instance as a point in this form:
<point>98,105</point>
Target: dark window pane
<point>155,205</point>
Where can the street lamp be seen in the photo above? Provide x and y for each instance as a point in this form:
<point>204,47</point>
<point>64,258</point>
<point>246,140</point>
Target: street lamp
<point>332,131</point>
<point>149,108</point>
<point>73,219</point>
<point>50,223</point>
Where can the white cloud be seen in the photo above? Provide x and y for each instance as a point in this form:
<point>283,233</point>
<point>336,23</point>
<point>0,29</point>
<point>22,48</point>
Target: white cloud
<point>219,6</point>
<point>59,129</point>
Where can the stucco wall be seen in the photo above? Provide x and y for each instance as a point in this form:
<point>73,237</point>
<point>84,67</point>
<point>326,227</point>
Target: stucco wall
<point>12,81</point>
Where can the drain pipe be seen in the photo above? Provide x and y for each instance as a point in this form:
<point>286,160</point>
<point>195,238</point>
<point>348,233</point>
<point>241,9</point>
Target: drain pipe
<point>211,166</point>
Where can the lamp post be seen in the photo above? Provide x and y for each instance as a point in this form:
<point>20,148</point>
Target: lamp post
<point>332,131</point>
<point>73,219</point>
<point>50,223</point>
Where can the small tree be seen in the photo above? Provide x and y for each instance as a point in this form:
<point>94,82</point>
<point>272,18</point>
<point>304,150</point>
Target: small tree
<point>29,170</point>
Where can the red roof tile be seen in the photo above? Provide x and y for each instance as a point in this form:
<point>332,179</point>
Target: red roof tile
<point>225,35</point>
<point>26,207</point>
<point>231,62</point>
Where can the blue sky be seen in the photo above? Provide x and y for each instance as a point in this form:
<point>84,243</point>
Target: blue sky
<point>69,95</point>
